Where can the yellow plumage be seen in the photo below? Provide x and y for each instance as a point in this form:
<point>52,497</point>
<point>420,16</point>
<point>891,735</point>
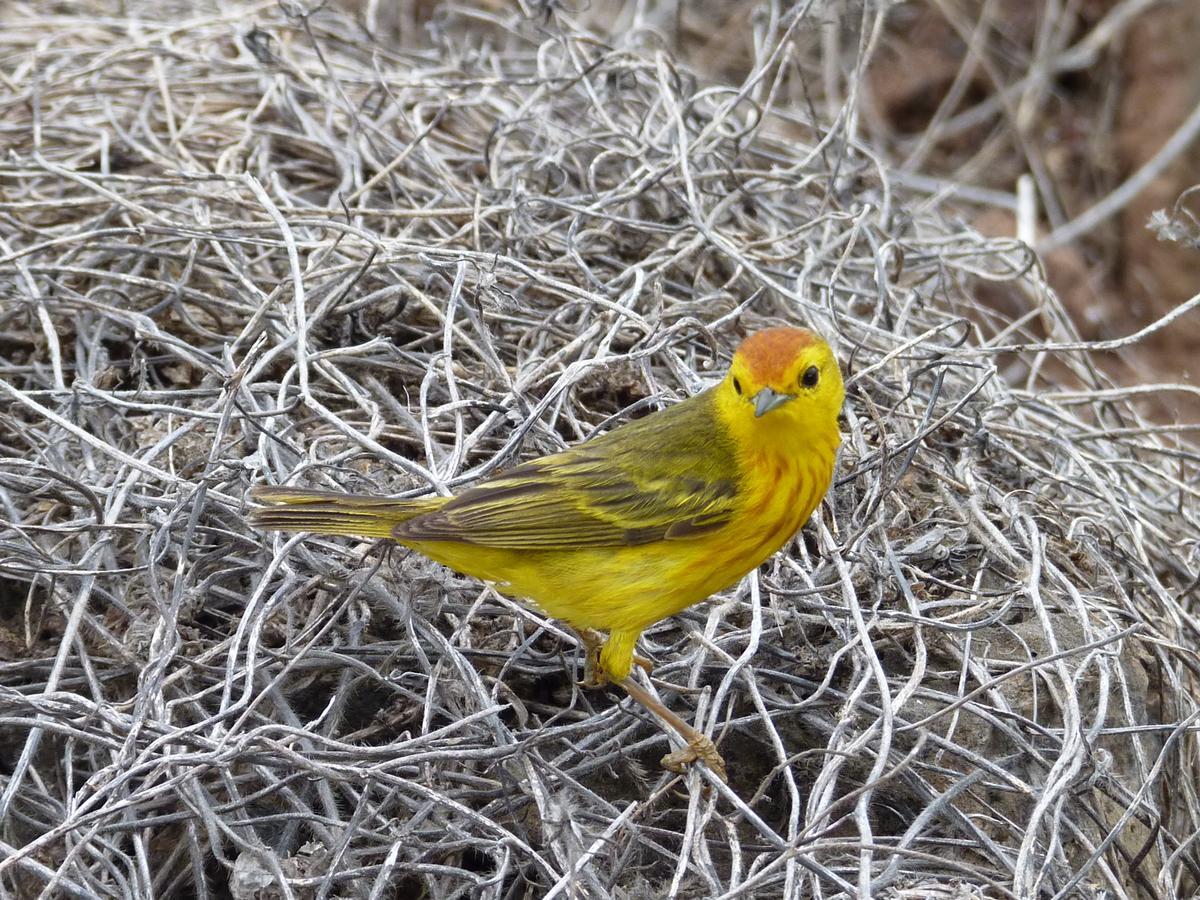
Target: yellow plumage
<point>628,528</point>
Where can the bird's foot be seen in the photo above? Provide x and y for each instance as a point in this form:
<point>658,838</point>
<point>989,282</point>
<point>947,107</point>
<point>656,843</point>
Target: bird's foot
<point>594,675</point>
<point>699,748</point>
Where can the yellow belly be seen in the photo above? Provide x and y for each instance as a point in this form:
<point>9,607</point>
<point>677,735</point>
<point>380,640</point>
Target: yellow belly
<point>630,588</point>
<point>618,589</point>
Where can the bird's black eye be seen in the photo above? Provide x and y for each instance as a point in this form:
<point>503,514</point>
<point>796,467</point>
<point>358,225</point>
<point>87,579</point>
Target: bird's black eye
<point>737,386</point>
<point>810,377</point>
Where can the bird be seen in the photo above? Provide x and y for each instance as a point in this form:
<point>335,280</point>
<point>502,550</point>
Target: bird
<point>625,529</point>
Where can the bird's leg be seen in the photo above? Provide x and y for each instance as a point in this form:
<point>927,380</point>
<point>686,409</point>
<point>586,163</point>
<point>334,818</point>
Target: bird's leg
<point>699,746</point>
<point>594,675</point>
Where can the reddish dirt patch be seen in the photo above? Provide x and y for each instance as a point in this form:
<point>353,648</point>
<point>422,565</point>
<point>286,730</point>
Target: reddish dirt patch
<point>1083,135</point>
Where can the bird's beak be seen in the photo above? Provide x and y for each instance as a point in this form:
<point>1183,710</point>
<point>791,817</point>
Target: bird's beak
<point>767,400</point>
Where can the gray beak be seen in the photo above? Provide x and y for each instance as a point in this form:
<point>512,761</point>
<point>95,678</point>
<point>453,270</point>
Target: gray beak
<point>767,400</point>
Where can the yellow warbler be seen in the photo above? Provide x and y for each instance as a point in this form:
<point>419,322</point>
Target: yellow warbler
<point>625,529</point>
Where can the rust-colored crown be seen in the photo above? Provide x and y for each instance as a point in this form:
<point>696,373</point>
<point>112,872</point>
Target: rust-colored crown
<point>768,354</point>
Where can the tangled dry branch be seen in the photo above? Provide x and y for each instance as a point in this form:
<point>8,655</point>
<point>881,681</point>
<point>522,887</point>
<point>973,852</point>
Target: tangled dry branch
<point>262,245</point>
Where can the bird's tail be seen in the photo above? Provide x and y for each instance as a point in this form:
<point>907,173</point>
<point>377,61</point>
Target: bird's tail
<point>328,512</point>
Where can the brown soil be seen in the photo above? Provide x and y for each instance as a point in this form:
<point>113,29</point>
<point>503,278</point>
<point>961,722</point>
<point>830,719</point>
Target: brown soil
<point>1091,130</point>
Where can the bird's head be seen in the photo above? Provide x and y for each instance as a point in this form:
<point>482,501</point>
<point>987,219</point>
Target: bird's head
<point>784,385</point>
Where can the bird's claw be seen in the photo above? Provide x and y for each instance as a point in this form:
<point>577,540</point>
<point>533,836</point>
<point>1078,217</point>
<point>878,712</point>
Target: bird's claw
<point>593,678</point>
<point>700,748</point>
<point>594,675</point>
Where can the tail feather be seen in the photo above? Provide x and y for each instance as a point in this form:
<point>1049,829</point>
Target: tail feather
<point>329,512</point>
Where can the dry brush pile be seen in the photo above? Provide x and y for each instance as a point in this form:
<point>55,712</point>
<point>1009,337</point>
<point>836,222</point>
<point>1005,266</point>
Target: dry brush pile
<point>249,246</point>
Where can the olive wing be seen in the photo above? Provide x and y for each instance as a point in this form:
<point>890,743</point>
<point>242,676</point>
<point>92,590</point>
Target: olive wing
<point>670,476</point>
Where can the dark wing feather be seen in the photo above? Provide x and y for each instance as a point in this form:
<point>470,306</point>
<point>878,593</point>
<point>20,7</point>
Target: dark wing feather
<point>669,476</point>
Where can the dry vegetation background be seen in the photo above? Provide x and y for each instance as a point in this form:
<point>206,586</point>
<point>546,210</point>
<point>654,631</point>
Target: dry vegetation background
<point>393,248</point>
